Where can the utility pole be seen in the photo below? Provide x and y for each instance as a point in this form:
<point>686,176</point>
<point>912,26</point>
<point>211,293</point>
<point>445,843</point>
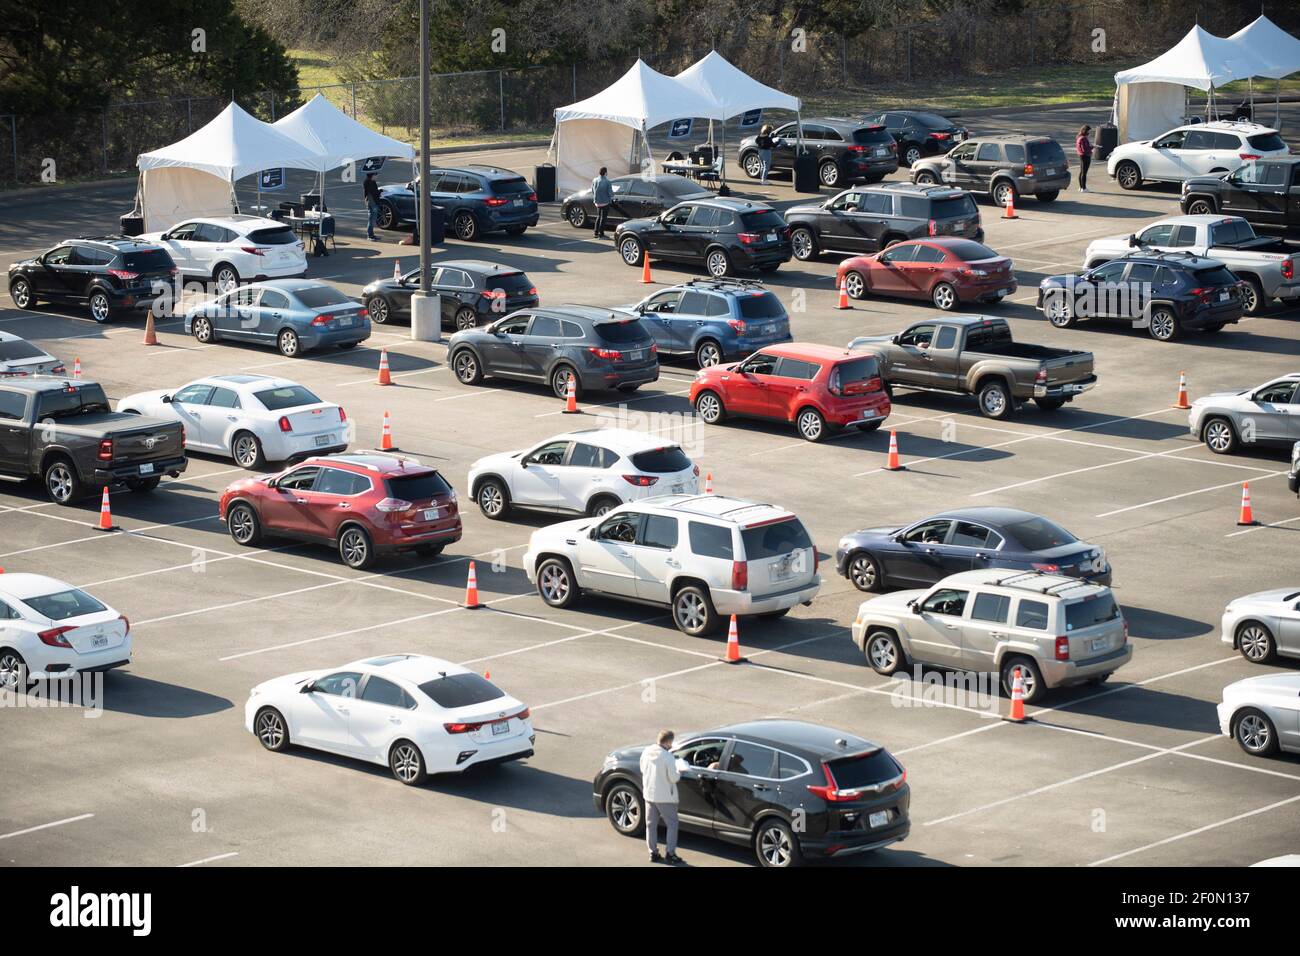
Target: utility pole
<point>426,322</point>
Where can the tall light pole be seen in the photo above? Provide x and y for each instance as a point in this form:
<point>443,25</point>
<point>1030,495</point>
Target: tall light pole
<point>426,322</point>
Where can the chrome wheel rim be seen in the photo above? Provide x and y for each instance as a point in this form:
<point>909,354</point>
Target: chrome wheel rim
<point>466,367</point>
<point>925,179</point>
<point>802,242</point>
<point>1001,193</point>
<point>577,216</point>
<point>1218,435</point>
<point>465,227</point>
<point>830,174</point>
<point>226,280</point>
<point>59,481</point>
<point>717,264</point>
<point>912,156</point>
<point>354,547</point>
<point>465,319</point>
<point>242,524</point>
<point>863,572</point>
<point>883,653</point>
<point>1162,326</point>
<point>21,293</point>
<point>1199,208</point>
<point>602,509</point>
<point>554,583</point>
<point>708,355</point>
<point>490,500</point>
<point>385,218</point>
<point>99,307</point>
<point>710,408</point>
<point>1057,313</point>
<point>1254,643</point>
<point>270,730</point>
<point>624,809</point>
<point>690,611</point>
<point>560,382</point>
<point>245,451</point>
<point>202,330</point>
<point>406,762</point>
<point>1127,176</point>
<point>1252,731</point>
<point>11,671</point>
<point>994,401</point>
<point>944,296</point>
<point>753,166</point>
<point>378,309</point>
<point>855,285</point>
<point>1249,300</point>
<point>810,425</point>
<point>288,344</point>
<point>630,250</point>
<point>774,845</point>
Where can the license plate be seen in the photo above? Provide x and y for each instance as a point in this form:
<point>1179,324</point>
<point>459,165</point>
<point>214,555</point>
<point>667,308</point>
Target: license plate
<point>146,469</point>
<point>769,330</point>
<point>634,356</point>
<point>879,818</point>
<point>99,640</point>
<point>870,413</point>
<point>1006,291</point>
<point>771,237</point>
<point>1223,296</point>
<point>881,151</point>
<point>1051,171</point>
<point>1099,643</point>
<point>679,489</point>
<point>430,514</point>
<point>501,726</point>
<point>345,320</point>
<point>323,440</point>
<point>518,202</point>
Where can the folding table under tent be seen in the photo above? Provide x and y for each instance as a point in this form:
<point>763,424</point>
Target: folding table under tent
<point>1276,53</point>
<point>196,176</point>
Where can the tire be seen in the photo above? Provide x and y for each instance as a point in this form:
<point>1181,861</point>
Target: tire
<point>884,653</point>
<point>467,368</point>
<point>244,525</point>
<point>62,483</point>
<point>1256,643</point>
<point>804,243</point>
<point>101,309</point>
<point>577,216</point>
<point>1035,688</point>
<point>855,284</point>
<point>464,226</point>
<point>1128,175</point>
<point>246,449</point>
<point>272,730</point>
<point>1059,312</point>
<point>625,809</point>
<point>631,251</point>
<point>430,550</point>
<point>1219,436</point>
<point>142,486</point>
<point>829,173</point>
<point>1253,300</point>
<point>1164,325</point>
<point>225,277</point>
<point>407,763</point>
<point>387,216</point>
<point>516,230</point>
<point>561,375</point>
<point>776,846</point>
<point>493,498</point>
<point>600,505</point>
<point>466,318</point>
<point>911,155</point>
<point>556,584</point>
<point>356,548</point>
<point>20,290</point>
<point>203,331</point>
<point>1003,189</point>
<point>13,670</point>
<point>925,178</point>
<point>693,611</point>
<point>1049,404</point>
<point>752,164</point>
<point>708,353</point>
<point>776,615</point>
<point>378,308</point>
<point>288,344</point>
<point>717,263</point>
<point>1201,207</point>
<point>811,424</point>
<point>1254,733</point>
<point>708,405</point>
<point>344,346</point>
<point>1049,196</point>
<point>994,400</point>
<point>864,571</point>
<point>944,297</point>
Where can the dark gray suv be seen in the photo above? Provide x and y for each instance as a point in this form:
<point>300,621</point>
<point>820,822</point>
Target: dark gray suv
<point>870,218</point>
<point>845,150</point>
<point>1005,167</point>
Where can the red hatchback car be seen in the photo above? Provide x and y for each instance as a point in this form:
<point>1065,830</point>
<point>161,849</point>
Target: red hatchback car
<point>948,272</point>
<point>817,387</point>
<point>364,504</point>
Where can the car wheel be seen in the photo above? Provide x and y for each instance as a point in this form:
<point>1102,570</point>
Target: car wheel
<point>430,550</point>
<point>884,653</point>
<point>287,342</point>
<point>717,263</point>
<point>555,583</point>
<point>246,449</point>
<point>601,505</point>
<point>1060,311</point>
<point>994,400</point>
<point>244,525</point>
<point>944,296</point>
<point>516,231</point>
<point>911,156</point>
<point>708,353</point>
<point>752,164</point>
<point>356,549</point>
<point>560,379</point>
<point>143,485</point>
<point>377,307</point>
<point>100,307</point>
<point>271,729</point>
<point>775,845</point>
<point>1049,196</point>
<point>465,227</point>
<point>864,572</point>
<point>631,251</point>
<point>855,284</point>
<point>1219,436</point>
<point>13,670</point>
<point>1164,326</point>
<point>407,763</point>
<point>1030,676</point>
<point>709,407</point>
<point>829,174</point>
<point>625,809</point>
<point>226,277</point>
<point>576,215</point>
<point>1200,207</point>
<point>925,178</point>
<point>387,216</point>
<point>202,329</point>
<point>1128,175</point>
<point>465,364</point>
<point>804,244</point>
<point>1255,733</point>
<point>493,499</point>
<point>1255,643</point>
<point>466,318</point>
<point>1002,191</point>
<point>693,611</point>
<point>21,292</point>
<point>1049,404</point>
<point>1253,301</point>
<point>62,483</point>
<point>811,424</point>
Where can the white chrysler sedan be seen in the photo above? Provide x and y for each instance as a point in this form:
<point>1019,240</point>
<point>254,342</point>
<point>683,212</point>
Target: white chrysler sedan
<point>415,714</point>
<point>253,419</point>
<point>49,629</point>
<point>1263,713</point>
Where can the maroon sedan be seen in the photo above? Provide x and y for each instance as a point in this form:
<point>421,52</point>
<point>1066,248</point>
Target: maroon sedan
<point>948,272</point>
<point>364,504</point>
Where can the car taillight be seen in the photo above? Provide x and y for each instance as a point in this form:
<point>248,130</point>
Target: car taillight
<point>532,197</point>
<point>124,274</point>
<point>105,450</point>
<point>496,201</point>
<point>252,250</point>
<point>641,481</point>
<point>739,575</point>
<point>461,728</point>
<point>1247,156</point>
<point>1029,169</point>
<point>737,324</point>
<point>609,355</point>
<point>941,136</point>
<point>1041,377</point>
<point>533,290</point>
<point>1062,648</point>
<point>934,228</point>
<point>322,319</point>
<point>856,150</point>
<point>747,237</point>
<point>1125,630</point>
<point>59,369</point>
<point>494,294</point>
<point>1288,268</point>
<point>390,505</point>
<point>830,791</point>
<point>696,469</point>
<point>1047,568</point>
<point>285,424</point>
<point>874,384</point>
<point>54,637</point>
<point>363,313</point>
<point>126,623</point>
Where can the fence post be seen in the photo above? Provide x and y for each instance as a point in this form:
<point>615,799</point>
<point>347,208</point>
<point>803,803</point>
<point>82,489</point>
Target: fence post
<point>909,54</point>
<point>501,92</point>
<point>189,113</point>
<point>104,121</point>
<point>354,99</point>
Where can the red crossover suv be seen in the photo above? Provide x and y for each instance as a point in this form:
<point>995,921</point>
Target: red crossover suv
<point>817,387</point>
<point>365,504</point>
<point>948,272</point>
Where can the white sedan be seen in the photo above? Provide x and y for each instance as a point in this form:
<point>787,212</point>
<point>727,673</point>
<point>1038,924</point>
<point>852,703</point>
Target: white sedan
<point>233,249</point>
<point>49,629</point>
<point>1263,625</point>
<point>251,418</point>
<point>18,357</point>
<point>1263,713</point>
<point>415,714</point>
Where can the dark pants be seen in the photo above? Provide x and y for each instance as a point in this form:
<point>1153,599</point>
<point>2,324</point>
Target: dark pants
<point>1084,162</point>
<point>601,212</point>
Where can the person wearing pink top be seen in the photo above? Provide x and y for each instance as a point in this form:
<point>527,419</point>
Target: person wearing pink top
<point>1083,146</point>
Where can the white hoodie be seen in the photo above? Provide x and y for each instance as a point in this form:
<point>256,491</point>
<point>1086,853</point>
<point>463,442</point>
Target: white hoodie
<point>659,775</point>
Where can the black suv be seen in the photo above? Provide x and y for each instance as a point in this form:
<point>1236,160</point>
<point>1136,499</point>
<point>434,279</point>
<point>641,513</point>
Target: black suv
<point>472,292</point>
<point>1164,292</point>
<point>476,199</point>
<point>108,274</point>
<point>918,134</point>
<point>869,218</point>
<point>846,150</point>
<point>1265,193</point>
<point>723,235</point>
<point>1006,167</point>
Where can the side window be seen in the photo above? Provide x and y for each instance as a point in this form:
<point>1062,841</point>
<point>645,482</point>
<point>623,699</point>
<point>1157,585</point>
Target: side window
<point>706,217</point>
<point>1166,278</point>
<point>877,202</point>
<point>918,336</point>
<point>454,279</point>
<point>380,691</point>
<point>1229,141</point>
<point>929,532</point>
<point>718,306</point>
<point>929,254</point>
<point>678,215</point>
<point>58,257</point>
<point>752,760</point>
<point>711,540</point>
<point>621,528</point>
<point>1015,154</point>
<point>964,153</point>
<point>703,754</point>
<point>969,535</point>
<point>224,398</point>
<point>1277,394</point>
<point>571,330</point>
<point>1142,272</point>
<point>273,300</point>
<point>1032,614</point>
<point>991,607</point>
<point>793,368</point>
<point>760,364</point>
<point>545,326</point>
<point>660,531</point>
<point>989,153</point>
<point>585,456</point>
<point>789,766</point>
<point>947,601</point>
<point>947,337</point>
<point>301,479</point>
<point>664,302</point>
<point>1198,139</point>
<point>693,303</point>
<point>12,405</point>
<point>1158,235</point>
<point>193,395</point>
<point>515,326</point>
<point>1110,272</point>
<point>7,613</point>
<point>551,453</point>
<point>342,684</point>
<point>335,481</point>
<point>899,253</point>
<point>1183,236</point>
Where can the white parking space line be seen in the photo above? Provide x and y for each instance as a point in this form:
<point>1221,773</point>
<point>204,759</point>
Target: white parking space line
<point>1261,527</point>
<point>207,859</point>
<point>588,409</point>
<point>46,826</point>
<point>371,380</point>
<point>1185,494</point>
<point>106,535</point>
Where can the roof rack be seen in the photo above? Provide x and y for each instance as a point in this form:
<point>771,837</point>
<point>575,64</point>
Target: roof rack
<point>746,283</point>
<point>1022,581</point>
<point>113,235</point>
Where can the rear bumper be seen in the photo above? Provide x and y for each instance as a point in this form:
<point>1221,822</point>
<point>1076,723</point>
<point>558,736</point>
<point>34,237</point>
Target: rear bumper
<point>399,540</point>
<point>871,166</point>
<point>1229,313</point>
<point>482,754</point>
<point>1031,185</point>
<point>507,217</point>
<point>111,476</point>
<point>747,257</point>
<point>863,413</point>
<point>987,289</point>
<point>53,663</point>
<point>1291,291</point>
<point>836,845</point>
<point>1066,391</point>
<point>1066,673</point>
<point>743,602</point>
<point>611,378</point>
<point>320,340</point>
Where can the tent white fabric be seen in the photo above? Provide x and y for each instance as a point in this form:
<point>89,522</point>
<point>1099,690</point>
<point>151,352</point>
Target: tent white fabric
<point>336,138</point>
<point>1276,51</point>
<point>731,90</point>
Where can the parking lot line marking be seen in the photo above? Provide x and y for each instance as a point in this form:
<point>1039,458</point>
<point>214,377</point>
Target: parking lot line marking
<point>625,401</point>
<point>586,632</point>
<point>124,533</point>
<point>1170,455</point>
<point>207,859</point>
<point>1261,527</point>
<point>46,826</point>
<point>1191,833</point>
<point>418,371</point>
<point>1185,494</point>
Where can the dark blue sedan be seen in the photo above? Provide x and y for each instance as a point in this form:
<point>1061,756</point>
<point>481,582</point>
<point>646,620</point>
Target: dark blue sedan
<point>927,551</point>
<point>294,315</point>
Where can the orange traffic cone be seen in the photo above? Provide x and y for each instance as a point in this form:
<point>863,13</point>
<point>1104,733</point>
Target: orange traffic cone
<point>645,269</point>
<point>386,438</point>
<point>397,269</point>
<point>1010,211</point>
<point>384,377</point>
<point>150,334</point>
<point>733,644</point>
<point>892,463</point>
<point>1182,392</point>
<point>571,398</point>
<point>76,368</point>
<point>708,482</point>
<point>487,675</point>
<point>1017,698</point>
<point>471,589</point>
<point>105,515</point>
<point>844,296</point>
<point>1247,516</point>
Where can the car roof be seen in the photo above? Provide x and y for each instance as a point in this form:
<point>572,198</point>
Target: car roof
<point>1012,138</point>
<point>20,585</point>
<point>9,337</point>
<point>625,440</point>
<point>735,511</point>
<point>1039,583</point>
<point>968,320</point>
<point>726,202</point>
<point>726,286</point>
<point>1174,258</point>
<point>475,265</point>
<point>946,242</point>
<point>416,668</point>
<point>383,462</point>
<point>1231,126</point>
<point>591,313</point>
<point>118,243</point>
<point>989,515</point>
<point>46,383</point>
<point>251,380</point>
<point>932,191</point>
<point>840,124</point>
<point>816,740</point>
<point>488,170</point>
<point>291,285</point>
<point>810,351</point>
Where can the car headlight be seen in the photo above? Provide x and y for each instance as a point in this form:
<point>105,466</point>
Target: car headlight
<point>610,763</point>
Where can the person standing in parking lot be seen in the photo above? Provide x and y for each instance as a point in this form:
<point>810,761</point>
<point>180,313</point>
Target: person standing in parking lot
<point>659,776</point>
<point>764,143</point>
<point>371,190</point>
<point>602,194</point>
<point>1083,146</point>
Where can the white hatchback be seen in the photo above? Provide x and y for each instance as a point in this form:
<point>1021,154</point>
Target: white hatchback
<point>49,629</point>
<point>253,419</point>
<point>582,472</point>
<point>1198,149</point>
<point>233,249</point>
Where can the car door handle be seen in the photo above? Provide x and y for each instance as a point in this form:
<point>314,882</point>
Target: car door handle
<point>343,505</point>
<point>343,710</point>
<point>951,627</point>
<point>996,634</point>
<point>394,720</point>
<point>673,563</point>
<point>231,418</point>
<point>761,786</point>
<point>300,501</point>
<point>622,553</point>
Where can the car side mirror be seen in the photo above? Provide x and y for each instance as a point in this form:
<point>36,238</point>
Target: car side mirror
<point>914,607</point>
<point>592,533</point>
<point>308,687</point>
<point>896,339</point>
<point>166,399</point>
<point>1133,242</point>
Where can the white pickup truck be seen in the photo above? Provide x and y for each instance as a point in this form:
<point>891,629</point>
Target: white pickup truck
<point>1269,267</point>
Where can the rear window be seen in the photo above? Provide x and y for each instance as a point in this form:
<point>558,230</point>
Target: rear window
<point>953,207</point>
<point>511,187</point>
<point>851,773</point>
<point>771,540</point>
<point>932,120</point>
<point>1214,276</point>
<point>290,396</point>
<point>872,135</point>
<point>277,236</point>
<point>764,305</point>
<point>321,296</point>
<point>1266,141</point>
<point>1039,534</point>
<point>988,336</point>
<point>971,251</point>
<point>510,282</point>
<point>1090,612</point>
<point>622,332</point>
<point>460,690</point>
<point>1046,151</point>
<point>763,221</point>
<point>429,484</point>
<point>18,349</point>
<point>71,401</point>
<point>62,605</point>
<point>661,460</point>
<point>148,260</point>
<point>858,370</point>
<point>1231,232</point>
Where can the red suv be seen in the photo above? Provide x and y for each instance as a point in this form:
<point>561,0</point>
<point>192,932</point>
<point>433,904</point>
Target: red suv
<point>817,387</point>
<point>948,272</point>
<point>363,504</point>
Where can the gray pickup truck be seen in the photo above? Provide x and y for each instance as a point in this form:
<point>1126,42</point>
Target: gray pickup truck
<point>63,432</point>
<point>975,355</point>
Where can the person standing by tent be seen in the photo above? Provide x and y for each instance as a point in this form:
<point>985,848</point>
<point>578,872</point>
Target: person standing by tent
<point>764,143</point>
<point>602,194</point>
<point>1083,146</point>
<point>370,189</point>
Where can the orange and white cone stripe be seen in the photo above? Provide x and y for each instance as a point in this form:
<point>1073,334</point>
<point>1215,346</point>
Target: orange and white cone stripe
<point>1182,392</point>
<point>386,437</point>
<point>105,514</point>
<point>384,377</point>
<point>1017,697</point>
<point>397,268</point>
<point>571,398</point>
<point>1247,516</point>
<point>733,644</point>
<point>471,588</point>
<point>892,464</point>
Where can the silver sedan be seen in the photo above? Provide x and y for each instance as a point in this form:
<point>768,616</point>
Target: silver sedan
<point>1264,625</point>
<point>1263,714</point>
<point>1268,414</point>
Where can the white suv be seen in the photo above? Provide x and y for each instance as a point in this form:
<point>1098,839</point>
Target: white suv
<point>1199,149</point>
<point>582,472</point>
<point>704,556</point>
<point>233,249</point>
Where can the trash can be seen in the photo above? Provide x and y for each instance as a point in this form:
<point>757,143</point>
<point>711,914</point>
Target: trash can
<point>544,182</point>
<point>437,224</point>
<point>1107,140</point>
<point>132,225</point>
<point>311,200</point>
<point>805,174</point>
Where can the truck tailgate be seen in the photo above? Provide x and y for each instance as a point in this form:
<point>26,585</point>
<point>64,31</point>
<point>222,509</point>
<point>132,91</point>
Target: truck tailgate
<point>151,441</point>
<point>1067,368</point>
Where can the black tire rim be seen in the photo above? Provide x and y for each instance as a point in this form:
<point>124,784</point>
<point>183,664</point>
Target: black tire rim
<point>1200,208</point>
<point>466,318</point>
<point>466,367</point>
<point>288,344</point>
<point>863,572</point>
<point>1218,436</point>
<point>378,309</point>
<point>354,548</point>
<point>270,730</point>
<point>21,293</point>
<point>491,499</point>
<point>577,216</point>
<point>246,451</point>
<point>99,307</point>
<point>708,355</point>
<point>630,250</point>
<point>624,810</point>
<point>243,525</point>
<point>465,227</point>
<point>802,242</point>
<point>553,584</point>
<point>1255,643</point>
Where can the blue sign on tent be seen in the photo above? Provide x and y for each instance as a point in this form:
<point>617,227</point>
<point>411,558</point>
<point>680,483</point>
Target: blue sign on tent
<point>373,165</point>
<point>750,118</point>
<point>269,180</point>
<point>680,129</point>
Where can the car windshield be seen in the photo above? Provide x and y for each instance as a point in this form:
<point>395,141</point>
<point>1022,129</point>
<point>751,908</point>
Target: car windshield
<point>852,773</point>
<point>321,296</point>
<point>510,282</point>
<point>623,333</point>
<point>1090,612</point>
<point>18,349</point>
<point>762,221</point>
<point>287,396</point>
<point>771,540</point>
<point>1267,142</point>
<point>62,605</point>
<point>71,400</point>
<point>1046,151</point>
<point>460,690</point>
<point>1214,276</point>
<point>419,487</point>
<point>661,460</point>
<point>148,260</point>
<point>515,188</point>
<point>273,236</point>
<point>953,207</point>
<point>1039,534</point>
<point>761,305</point>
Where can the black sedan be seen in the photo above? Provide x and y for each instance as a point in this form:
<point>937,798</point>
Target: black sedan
<point>919,134</point>
<point>723,235</point>
<point>635,197</point>
<point>927,551</point>
<point>788,789</point>
<point>472,292</point>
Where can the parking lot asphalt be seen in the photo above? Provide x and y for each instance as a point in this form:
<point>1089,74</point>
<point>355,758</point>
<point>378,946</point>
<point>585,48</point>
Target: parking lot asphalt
<point>1132,772</point>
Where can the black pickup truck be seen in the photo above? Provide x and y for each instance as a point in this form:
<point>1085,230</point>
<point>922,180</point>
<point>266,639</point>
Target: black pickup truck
<point>63,432</point>
<point>1264,193</point>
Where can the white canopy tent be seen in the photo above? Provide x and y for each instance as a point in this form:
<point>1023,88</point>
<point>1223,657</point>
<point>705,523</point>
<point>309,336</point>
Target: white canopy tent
<point>196,176</point>
<point>1276,54</point>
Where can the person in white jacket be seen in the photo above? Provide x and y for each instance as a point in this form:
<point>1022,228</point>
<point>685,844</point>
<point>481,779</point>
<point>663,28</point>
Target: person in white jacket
<point>659,776</point>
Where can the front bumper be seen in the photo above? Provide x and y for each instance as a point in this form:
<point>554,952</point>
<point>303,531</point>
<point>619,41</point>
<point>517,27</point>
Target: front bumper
<point>171,467</point>
<point>1066,391</point>
<point>743,602</point>
<point>1065,673</point>
<point>1224,710</point>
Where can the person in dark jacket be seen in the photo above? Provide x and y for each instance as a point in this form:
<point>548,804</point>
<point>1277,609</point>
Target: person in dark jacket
<point>764,143</point>
<point>1083,146</point>
<point>602,194</point>
<point>370,189</point>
